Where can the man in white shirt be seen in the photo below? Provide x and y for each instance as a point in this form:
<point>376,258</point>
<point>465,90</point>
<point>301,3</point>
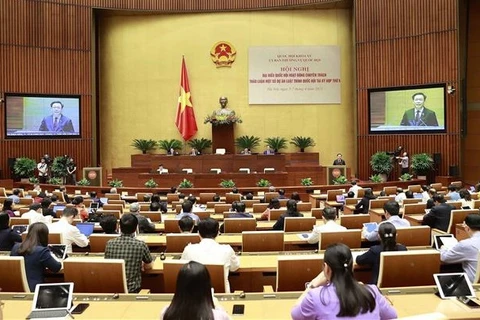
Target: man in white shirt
<point>466,251</point>
<point>70,233</point>
<point>354,188</point>
<point>35,214</point>
<point>400,196</point>
<point>391,209</point>
<point>209,251</point>
<point>329,215</point>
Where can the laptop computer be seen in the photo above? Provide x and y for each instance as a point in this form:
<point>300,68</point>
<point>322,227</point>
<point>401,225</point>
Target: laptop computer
<point>417,195</point>
<point>447,240</point>
<point>86,228</point>
<point>340,198</point>
<point>58,207</point>
<point>93,207</point>
<point>51,300</point>
<point>104,200</point>
<point>453,285</point>
<point>19,228</point>
<point>59,250</point>
<point>370,226</point>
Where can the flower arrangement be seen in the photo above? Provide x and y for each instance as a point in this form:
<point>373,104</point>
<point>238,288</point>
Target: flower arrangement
<point>151,184</point>
<point>216,119</point>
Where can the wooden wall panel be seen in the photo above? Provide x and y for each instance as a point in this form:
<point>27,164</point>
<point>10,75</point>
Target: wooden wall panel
<point>404,43</point>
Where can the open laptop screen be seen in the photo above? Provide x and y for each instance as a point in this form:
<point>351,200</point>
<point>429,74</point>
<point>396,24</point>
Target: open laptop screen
<point>453,285</point>
<point>53,296</point>
<point>86,228</point>
<point>58,207</point>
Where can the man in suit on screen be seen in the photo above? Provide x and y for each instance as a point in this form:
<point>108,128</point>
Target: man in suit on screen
<point>56,122</point>
<point>419,116</point>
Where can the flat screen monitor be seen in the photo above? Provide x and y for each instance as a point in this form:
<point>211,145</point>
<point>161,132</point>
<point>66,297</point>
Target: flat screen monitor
<point>407,110</point>
<point>40,117</point>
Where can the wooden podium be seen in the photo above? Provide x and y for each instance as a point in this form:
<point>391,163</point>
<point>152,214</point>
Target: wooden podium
<point>223,136</point>
<point>334,172</point>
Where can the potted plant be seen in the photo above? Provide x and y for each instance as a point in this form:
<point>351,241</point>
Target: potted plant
<point>33,180</point>
<point>24,168</point>
<point>200,144</point>
<point>115,183</point>
<point>151,184</point>
<point>83,182</point>
<point>247,142</point>
<point>376,178</point>
<point>167,145</point>
<point>185,184</point>
<point>276,143</point>
<point>302,142</point>
<point>381,163</point>
<point>422,164</point>
<point>227,183</point>
<point>59,167</point>
<point>406,177</point>
<point>55,180</point>
<point>306,182</point>
<point>263,183</point>
<point>144,145</point>
<point>340,180</point>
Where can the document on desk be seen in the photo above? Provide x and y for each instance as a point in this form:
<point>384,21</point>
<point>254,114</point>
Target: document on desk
<point>304,236</point>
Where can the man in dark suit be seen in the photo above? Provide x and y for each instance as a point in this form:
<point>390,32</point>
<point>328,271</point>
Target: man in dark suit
<point>339,161</point>
<point>57,122</point>
<point>419,115</point>
<point>439,215</point>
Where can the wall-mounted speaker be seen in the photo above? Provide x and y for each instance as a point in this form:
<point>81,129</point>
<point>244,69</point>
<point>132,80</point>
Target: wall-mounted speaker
<point>437,159</point>
<point>453,171</point>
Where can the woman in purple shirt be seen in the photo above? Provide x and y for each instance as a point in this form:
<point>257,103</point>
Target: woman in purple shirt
<point>336,294</point>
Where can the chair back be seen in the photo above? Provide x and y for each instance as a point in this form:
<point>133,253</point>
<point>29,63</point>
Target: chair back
<point>171,226</point>
<point>293,271</point>
<point>18,221</point>
<point>262,241</point>
<point>317,213</point>
<point>250,203</point>
<point>211,204</point>
<point>230,197</point>
<point>476,204</point>
<point>456,217</point>
<point>477,273</point>
<point>171,268</point>
<point>176,242</point>
<point>140,195</point>
<point>115,213</point>
<point>354,221</point>
<point>270,195</point>
<point>60,196</point>
<point>98,241</point>
<point>206,197</point>
<point>411,200</point>
<point>26,201</point>
<point>109,206</point>
<point>276,213</point>
<point>437,186</point>
<point>390,190</point>
<point>415,188</point>
<point>3,192</point>
<point>238,225</point>
<point>259,207</point>
<point>414,236</point>
<point>172,197</point>
<point>296,224</point>
<point>202,215</point>
<point>352,238</point>
<point>222,207</point>
<point>122,202</point>
<point>378,203</point>
<point>96,275</point>
<point>304,206</point>
<point>408,268</point>
<point>456,204</point>
<point>154,216</point>
<point>414,208</point>
<point>332,194</point>
<point>112,196</point>
<point>55,238</point>
<point>14,278</point>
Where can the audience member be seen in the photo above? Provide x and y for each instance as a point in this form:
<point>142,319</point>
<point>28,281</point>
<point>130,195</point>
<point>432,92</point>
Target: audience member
<point>186,224</point>
<point>63,190</point>
<point>400,196</point>
<point>109,224</point>
<point>187,211</point>
<point>154,206</point>
<point>82,211</point>
<point>466,251</point>
<point>216,198</point>
<point>35,214</point>
<point>36,254</point>
<point>430,203</point>
<point>335,293</point>
<point>354,188</point>
<point>144,226</point>
<point>94,197</point>
<point>466,198</point>
<point>113,190</point>
<point>392,211</point>
<point>15,196</point>
<point>425,193</point>
<point>46,210</point>
<point>193,297</point>
<point>70,233</point>
<point>291,212</point>
<point>209,251</point>
<point>329,216</point>
<point>388,239</point>
<point>281,194</point>
<point>8,207</point>
<point>274,204</point>
<point>135,252</point>
<point>364,204</point>
<point>249,196</point>
<point>8,237</point>
<point>452,193</point>
<point>439,215</point>
<point>295,196</point>
<point>40,196</point>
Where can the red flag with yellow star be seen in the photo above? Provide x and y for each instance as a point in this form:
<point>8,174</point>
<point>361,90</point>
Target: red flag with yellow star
<point>185,122</point>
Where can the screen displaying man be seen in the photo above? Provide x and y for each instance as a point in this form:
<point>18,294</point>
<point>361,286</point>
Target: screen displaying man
<point>56,122</point>
<point>419,116</point>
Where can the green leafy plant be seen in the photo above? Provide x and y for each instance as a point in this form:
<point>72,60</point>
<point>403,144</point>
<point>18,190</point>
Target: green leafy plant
<point>340,180</point>
<point>302,142</point>
<point>381,162</point>
<point>306,182</point>
<point>151,184</point>
<point>115,183</point>
<point>376,178</point>
<point>55,180</point>
<point>24,167</point>
<point>33,180</point>
<point>83,182</point>
<point>185,184</point>
<point>144,145</point>
<point>247,142</point>
<point>170,144</point>
<point>263,183</point>
<point>276,143</point>
<point>227,183</point>
<point>422,164</point>
<point>59,166</point>
<point>200,144</point>
<point>406,177</point>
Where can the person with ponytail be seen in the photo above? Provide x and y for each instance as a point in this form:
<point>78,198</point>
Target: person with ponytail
<point>388,238</point>
<point>335,293</point>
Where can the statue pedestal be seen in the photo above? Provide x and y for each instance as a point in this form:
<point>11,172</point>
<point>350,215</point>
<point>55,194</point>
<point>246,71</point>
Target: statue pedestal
<point>223,137</point>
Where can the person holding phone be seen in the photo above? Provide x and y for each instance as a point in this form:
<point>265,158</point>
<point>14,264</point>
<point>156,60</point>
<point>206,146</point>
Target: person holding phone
<point>193,298</point>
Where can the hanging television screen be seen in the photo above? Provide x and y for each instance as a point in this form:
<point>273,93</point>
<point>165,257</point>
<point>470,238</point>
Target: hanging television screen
<point>40,117</point>
<point>406,110</point>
